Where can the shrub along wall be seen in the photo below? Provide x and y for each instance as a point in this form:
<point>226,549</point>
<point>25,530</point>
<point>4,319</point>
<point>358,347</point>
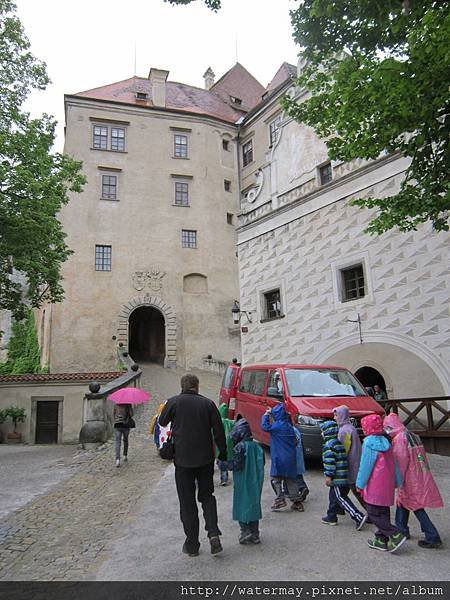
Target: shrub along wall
<point>23,349</point>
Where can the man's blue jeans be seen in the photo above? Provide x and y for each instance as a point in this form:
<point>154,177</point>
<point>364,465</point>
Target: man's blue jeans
<point>427,527</point>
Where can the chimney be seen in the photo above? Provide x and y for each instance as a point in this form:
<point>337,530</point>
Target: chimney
<point>157,79</point>
<point>209,78</point>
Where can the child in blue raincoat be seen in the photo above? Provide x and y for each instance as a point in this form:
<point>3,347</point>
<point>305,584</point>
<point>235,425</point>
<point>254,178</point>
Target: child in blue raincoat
<point>283,454</point>
<point>248,476</point>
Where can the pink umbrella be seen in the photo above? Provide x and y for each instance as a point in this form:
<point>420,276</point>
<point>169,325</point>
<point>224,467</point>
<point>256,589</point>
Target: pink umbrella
<point>129,395</point>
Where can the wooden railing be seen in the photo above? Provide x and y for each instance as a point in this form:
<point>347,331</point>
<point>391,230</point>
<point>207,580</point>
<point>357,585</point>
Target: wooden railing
<point>428,417</point>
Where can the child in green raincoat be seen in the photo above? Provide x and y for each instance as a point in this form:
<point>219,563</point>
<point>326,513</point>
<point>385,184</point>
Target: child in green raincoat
<point>228,425</point>
<point>248,477</point>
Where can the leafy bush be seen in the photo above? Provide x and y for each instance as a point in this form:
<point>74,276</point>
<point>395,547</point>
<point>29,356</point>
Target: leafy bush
<point>16,414</point>
<point>23,349</point>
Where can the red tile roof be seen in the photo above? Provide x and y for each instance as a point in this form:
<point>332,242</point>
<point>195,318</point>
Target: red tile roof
<point>286,71</point>
<point>238,82</point>
<point>54,377</point>
<point>179,97</point>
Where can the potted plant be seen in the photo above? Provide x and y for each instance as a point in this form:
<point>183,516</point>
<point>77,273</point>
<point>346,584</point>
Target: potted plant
<point>3,417</point>
<point>17,415</point>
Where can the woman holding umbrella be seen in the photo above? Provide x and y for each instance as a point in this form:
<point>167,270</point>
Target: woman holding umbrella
<point>123,416</point>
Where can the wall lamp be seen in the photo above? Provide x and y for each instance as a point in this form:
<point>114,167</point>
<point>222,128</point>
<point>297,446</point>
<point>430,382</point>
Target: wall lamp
<point>237,313</point>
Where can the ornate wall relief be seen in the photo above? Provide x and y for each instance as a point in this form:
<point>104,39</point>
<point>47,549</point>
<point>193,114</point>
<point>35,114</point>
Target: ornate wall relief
<point>151,280</point>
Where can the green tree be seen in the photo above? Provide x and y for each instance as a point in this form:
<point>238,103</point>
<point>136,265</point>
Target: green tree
<point>34,182</point>
<point>377,76</point>
<point>212,4</point>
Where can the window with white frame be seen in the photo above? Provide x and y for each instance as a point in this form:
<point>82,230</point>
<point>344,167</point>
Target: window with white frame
<point>272,308</point>
<point>103,258</point>
<point>188,238</point>
<point>247,153</point>
<point>274,130</point>
<point>108,137</point>
<point>100,141</point>
<point>118,139</point>
<point>353,284</point>
<point>181,193</point>
<point>109,187</point>
<point>180,146</point>
<point>325,173</point>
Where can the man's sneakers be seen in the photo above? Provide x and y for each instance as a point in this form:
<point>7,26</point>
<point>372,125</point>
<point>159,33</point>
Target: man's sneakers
<point>298,506</point>
<point>216,546</point>
<point>396,541</point>
<point>117,462</point>
<point>186,551</point>
<point>278,504</point>
<point>378,544</point>
<point>425,544</point>
<point>360,524</point>
<point>125,459</point>
<point>328,521</point>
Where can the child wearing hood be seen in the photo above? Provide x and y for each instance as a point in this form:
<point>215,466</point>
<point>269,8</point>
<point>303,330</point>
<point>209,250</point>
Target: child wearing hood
<point>228,425</point>
<point>335,469</point>
<point>283,454</point>
<point>418,490</point>
<point>248,476</point>
<point>378,476</point>
<point>349,438</point>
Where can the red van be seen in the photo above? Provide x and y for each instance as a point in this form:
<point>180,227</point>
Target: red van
<point>309,393</point>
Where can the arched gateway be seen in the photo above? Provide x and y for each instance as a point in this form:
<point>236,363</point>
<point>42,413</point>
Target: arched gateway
<point>148,329</point>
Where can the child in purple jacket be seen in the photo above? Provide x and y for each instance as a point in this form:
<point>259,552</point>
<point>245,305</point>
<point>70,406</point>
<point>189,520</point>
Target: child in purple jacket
<point>349,438</point>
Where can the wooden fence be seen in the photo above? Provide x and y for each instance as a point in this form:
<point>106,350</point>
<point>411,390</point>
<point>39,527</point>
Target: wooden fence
<point>428,417</point>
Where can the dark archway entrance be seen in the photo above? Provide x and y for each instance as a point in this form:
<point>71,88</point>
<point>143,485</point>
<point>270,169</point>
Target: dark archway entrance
<point>147,335</point>
<point>369,377</point>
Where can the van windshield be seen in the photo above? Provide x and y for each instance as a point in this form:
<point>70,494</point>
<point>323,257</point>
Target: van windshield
<point>322,382</point>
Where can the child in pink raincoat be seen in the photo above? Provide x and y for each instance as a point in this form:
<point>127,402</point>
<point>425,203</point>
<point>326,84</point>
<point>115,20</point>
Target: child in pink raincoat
<point>377,479</point>
<point>419,490</point>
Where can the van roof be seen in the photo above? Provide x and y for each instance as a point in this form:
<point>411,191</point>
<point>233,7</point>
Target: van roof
<point>293,366</point>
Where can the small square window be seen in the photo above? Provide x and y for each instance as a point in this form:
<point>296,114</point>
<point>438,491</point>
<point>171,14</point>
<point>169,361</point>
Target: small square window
<point>227,185</point>
<point>109,187</point>
<point>181,146</point>
<point>181,193</point>
<point>188,238</point>
<point>325,174</point>
<point>353,284</point>
<point>230,218</point>
<point>117,139</point>
<point>226,145</point>
<point>272,304</point>
<point>100,141</point>
<point>103,258</point>
<point>247,153</point>
<point>274,130</point>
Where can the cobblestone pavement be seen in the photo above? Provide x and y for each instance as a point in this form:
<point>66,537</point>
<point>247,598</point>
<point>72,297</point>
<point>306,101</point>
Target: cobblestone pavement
<point>64,533</point>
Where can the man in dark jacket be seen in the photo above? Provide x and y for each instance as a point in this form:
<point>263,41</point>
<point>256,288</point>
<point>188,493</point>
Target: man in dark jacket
<point>195,420</point>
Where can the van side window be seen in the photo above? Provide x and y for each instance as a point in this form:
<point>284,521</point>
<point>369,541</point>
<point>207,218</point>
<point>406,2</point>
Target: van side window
<point>228,378</point>
<point>253,382</point>
<point>258,383</point>
<point>245,381</point>
<point>275,385</point>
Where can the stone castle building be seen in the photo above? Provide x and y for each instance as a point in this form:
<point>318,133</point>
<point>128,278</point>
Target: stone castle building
<point>178,178</point>
<point>153,233</point>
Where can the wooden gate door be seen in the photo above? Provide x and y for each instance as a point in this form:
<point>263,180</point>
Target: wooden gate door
<point>47,422</point>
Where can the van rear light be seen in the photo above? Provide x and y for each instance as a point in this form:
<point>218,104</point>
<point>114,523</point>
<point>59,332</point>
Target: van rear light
<point>232,404</point>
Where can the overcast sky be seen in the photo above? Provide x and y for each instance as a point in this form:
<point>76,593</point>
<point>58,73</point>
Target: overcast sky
<point>89,43</point>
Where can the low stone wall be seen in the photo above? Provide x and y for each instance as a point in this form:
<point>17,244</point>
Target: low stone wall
<point>27,390</point>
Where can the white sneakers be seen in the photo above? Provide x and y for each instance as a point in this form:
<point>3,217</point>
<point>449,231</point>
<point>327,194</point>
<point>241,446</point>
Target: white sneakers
<point>118,462</point>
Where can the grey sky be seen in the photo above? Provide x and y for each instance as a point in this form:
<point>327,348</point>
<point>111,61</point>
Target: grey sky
<point>89,43</point>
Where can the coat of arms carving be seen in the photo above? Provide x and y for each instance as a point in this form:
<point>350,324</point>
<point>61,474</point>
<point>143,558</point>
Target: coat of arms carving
<point>151,279</point>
